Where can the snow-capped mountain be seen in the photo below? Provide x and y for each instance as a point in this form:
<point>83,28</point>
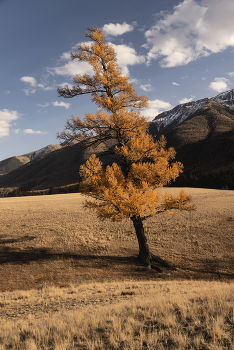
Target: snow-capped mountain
<point>168,120</point>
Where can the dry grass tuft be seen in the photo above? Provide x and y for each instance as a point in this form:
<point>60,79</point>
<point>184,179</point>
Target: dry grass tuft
<point>165,315</point>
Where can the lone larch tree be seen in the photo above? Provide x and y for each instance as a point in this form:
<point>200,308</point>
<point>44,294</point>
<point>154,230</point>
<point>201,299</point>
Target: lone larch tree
<point>130,187</point>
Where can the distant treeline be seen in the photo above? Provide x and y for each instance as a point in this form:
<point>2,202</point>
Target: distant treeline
<point>52,190</point>
<point>222,180</point>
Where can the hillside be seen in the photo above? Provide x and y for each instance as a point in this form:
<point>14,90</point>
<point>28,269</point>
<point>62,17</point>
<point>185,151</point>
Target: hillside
<point>13,163</point>
<point>56,168</point>
<point>202,132</point>
<point>54,240</point>
<point>205,141</point>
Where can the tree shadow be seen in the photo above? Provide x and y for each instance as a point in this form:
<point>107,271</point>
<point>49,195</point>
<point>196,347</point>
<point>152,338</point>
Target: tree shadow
<point>15,256</point>
<point>4,240</point>
<point>219,268</point>
<point>206,268</point>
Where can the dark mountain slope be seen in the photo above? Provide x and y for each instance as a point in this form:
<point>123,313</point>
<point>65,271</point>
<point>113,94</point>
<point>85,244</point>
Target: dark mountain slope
<point>57,168</point>
<point>205,141</point>
<point>12,163</point>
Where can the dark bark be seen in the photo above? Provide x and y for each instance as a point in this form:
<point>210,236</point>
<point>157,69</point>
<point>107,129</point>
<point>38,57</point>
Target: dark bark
<point>144,252</point>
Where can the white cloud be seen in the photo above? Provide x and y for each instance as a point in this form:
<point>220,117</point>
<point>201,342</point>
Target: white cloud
<point>61,104</point>
<point>147,87</point>
<point>127,56</point>
<point>6,117</point>
<point>45,105</point>
<point>66,84</point>
<point>220,84</point>
<point>175,84</point>
<point>29,91</point>
<point>32,81</point>
<point>65,56</point>
<point>72,68</point>
<point>186,100</point>
<point>33,84</point>
<point>45,88</point>
<point>156,107</point>
<point>231,74</point>
<point>118,29</point>
<point>195,29</point>
<point>30,131</point>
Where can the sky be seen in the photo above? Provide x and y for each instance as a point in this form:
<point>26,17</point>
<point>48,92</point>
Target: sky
<point>172,51</point>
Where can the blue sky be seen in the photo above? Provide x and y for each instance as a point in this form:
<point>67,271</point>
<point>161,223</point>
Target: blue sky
<point>173,52</point>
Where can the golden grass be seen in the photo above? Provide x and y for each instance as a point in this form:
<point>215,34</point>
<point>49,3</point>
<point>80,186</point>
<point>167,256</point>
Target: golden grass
<point>49,242</point>
<point>52,240</point>
<point>158,315</point>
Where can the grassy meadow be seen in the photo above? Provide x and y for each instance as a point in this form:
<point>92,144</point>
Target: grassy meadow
<point>70,281</point>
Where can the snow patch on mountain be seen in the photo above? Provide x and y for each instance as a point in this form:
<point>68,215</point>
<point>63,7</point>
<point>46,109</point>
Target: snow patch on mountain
<point>38,153</point>
<point>44,150</point>
<point>226,99</point>
<point>180,113</point>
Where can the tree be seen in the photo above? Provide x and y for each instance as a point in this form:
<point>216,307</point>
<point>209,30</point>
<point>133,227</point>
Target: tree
<point>129,188</point>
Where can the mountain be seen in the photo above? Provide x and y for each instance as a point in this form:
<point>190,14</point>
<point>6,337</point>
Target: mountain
<point>202,132</point>
<point>59,167</point>
<point>12,163</point>
<point>168,120</point>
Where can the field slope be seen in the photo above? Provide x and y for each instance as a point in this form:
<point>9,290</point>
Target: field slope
<point>52,240</point>
<point>69,281</point>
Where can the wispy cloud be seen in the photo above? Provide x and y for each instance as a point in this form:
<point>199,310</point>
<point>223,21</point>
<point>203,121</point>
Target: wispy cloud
<point>173,83</point>
<point>231,74</point>
<point>6,117</point>
<point>66,84</point>
<point>187,33</point>
<point>30,131</point>
<point>61,104</point>
<point>33,84</point>
<point>118,29</point>
<point>45,105</point>
<point>219,84</point>
<point>147,87</point>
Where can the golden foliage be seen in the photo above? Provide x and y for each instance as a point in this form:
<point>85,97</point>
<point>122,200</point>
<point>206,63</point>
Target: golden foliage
<point>119,197</point>
<point>131,187</point>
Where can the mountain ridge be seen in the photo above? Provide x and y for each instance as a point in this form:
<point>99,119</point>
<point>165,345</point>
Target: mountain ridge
<point>202,133</point>
<point>167,120</point>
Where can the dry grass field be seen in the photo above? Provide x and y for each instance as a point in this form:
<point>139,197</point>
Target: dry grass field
<point>69,281</point>
<point>120,315</point>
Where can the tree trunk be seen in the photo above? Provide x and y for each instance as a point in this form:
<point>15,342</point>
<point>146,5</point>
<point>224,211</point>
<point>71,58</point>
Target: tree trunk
<point>144,252</point>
